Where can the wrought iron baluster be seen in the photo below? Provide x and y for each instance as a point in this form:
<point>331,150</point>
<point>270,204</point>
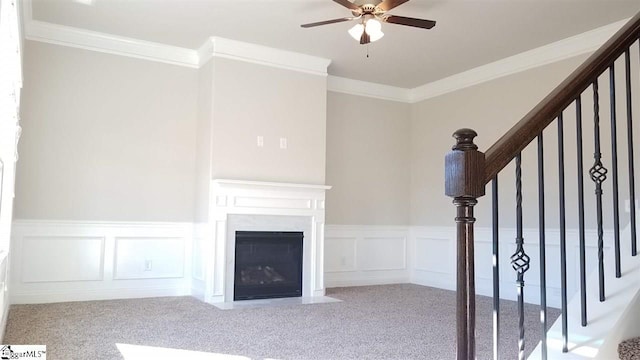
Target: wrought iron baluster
<point>582,244</point>
<point>520,260</point>
<point>543,261</point>
<point>496,270</point>
<point>563,236</point>
<point>632,186</point>
<point>598,175</point>
<point>614,171</point>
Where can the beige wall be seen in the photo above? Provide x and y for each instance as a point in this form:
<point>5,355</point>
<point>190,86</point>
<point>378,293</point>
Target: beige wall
<point>251,100</point>
<point>105,137</point>
<point>114,138</point>
<point>203,142</point>
<point>492,108</point>
<point>367,161</point>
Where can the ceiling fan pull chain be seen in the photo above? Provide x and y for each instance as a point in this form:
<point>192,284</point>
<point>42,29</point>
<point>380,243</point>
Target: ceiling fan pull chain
<point>367,51</point>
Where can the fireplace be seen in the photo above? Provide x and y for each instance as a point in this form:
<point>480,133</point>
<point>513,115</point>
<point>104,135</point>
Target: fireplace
<point>268,264</point>
<point>238,206</point>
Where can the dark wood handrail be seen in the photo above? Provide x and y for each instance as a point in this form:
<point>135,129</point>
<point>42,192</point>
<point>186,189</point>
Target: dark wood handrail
<point>532,124</point>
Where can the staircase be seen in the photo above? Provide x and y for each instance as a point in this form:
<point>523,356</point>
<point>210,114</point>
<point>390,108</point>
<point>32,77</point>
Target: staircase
<point>587,123</point>
<point>610,322</point>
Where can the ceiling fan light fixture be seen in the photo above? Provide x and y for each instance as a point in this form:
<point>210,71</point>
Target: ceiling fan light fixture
<point>370,16</point>
<point>356,31</point>
<point>372,27</point>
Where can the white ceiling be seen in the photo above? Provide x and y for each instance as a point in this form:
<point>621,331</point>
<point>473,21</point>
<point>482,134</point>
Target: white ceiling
<point>468,34</point>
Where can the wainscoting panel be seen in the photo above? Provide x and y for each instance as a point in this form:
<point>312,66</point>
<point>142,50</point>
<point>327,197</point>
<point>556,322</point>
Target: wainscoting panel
<point>71,261</point>
<point>201,232</point>
<point>149,258</point>
<point>365,255</point>
<point>382,253</point>
<point>433,257</point>
<point>61,258</point>
<point>340,254</point>
<point>434,260</point>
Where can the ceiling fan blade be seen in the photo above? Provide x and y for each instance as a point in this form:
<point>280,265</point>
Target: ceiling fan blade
<point>365,38</point>
<point>348,4</point>
<point>327,22</point>
<point>401,20</point>
<point>387,5</point>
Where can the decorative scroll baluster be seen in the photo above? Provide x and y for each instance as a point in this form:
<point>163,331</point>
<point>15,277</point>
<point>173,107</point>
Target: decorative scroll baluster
<point>582,244</point>
<point>614,171</point>
<point>598,175</point>
<point>543,261</point>
<point>520,260</point>
<point>496,270</point>
<point>464,181</point>
<point>632,186</point>
<point>563,236</point>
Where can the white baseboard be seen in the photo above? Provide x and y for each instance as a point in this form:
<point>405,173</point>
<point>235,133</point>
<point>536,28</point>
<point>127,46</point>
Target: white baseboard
<point>5,319</point>
<point>106,294</point>
<point>365,282</point>
<point>6,303</point>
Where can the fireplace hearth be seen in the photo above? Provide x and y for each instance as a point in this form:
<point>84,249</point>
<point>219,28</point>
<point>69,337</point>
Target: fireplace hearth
<point>268,264</point>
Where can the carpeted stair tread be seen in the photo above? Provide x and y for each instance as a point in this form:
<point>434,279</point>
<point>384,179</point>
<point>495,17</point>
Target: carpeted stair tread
<point>629,349</point>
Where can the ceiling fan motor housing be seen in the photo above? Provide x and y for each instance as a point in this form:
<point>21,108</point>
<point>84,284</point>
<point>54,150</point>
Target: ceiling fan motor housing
<point>368,9</point>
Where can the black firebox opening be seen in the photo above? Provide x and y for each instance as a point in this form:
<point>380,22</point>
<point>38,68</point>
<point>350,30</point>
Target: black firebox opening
<point>268,265</point>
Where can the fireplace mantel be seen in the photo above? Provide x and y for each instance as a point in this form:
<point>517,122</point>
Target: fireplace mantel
<point>266,184</point>
<point>252,205</point>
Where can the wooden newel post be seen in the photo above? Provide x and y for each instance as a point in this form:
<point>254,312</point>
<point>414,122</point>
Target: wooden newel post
<point>464,182</point>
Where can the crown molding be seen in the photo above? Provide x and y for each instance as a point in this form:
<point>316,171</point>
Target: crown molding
<point>231,49</point>
<point>213,47</point>
<point>262,55</point>
<point>560,50</point>
<point>205,52</point>
<point>368,89</point>
<point>111,44</point>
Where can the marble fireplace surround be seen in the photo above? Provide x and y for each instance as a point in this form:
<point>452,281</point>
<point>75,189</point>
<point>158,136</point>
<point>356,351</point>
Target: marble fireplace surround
<point>264,206</point>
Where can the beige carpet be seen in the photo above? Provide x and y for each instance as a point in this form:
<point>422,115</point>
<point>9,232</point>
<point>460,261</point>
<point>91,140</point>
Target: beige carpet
<point>373,322</point>
<point>629,349</point>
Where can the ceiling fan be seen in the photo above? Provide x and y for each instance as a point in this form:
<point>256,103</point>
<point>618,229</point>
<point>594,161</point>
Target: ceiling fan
<point>371,13</point>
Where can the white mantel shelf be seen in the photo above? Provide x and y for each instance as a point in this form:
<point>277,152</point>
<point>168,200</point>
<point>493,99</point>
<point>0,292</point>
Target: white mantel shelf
<point>271,184</point>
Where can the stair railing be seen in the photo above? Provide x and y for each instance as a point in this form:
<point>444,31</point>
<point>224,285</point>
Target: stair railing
<point>468,171</point>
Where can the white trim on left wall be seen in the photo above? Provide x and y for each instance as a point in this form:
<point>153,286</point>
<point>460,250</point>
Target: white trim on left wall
<point>10,88</point>
<point>54,261</point>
